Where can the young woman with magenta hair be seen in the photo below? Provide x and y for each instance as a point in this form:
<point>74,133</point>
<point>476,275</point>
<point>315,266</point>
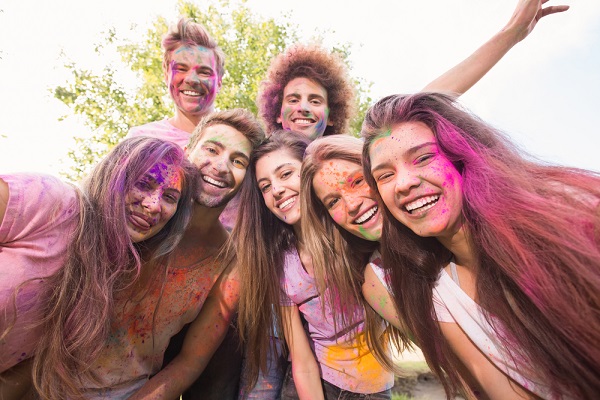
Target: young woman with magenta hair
<point>276,268</point>
<point>132,209</point>
<point>503,251</point>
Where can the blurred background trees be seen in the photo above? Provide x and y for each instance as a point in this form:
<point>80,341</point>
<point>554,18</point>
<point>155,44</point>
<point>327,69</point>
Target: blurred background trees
<point>109,106</point>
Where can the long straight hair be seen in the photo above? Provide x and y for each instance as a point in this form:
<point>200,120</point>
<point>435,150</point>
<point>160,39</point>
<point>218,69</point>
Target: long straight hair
<point>339,257</point>
<point>101,261</point>
<point>535,231</point>
<point>261,240</point>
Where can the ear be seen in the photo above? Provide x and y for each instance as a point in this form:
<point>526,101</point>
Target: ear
<point>278,119</point>
<point>219,84</point>
<point>166,68</point>
<point>329,122</point>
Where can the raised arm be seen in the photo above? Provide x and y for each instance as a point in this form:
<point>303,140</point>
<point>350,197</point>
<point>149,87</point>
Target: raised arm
<point>203,338</point>
<point>467,73</point>
<point>305,368</point>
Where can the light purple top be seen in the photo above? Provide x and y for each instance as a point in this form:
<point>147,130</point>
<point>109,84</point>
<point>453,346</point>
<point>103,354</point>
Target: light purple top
<point>41,216</point>
<point>344,358</point>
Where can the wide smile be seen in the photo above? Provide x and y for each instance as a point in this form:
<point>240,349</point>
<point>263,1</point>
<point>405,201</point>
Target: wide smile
<point>303,121</point>
<point>287,203</point>
<point>422,204</point>
<point>192,92</point>
<point>366,216</point>
<point>214,182</point>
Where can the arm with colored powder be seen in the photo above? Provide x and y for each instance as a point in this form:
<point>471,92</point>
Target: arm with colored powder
<point>305,368</point>
<point>379,298</point>
<point>203,338</point>
<point>463,76</point>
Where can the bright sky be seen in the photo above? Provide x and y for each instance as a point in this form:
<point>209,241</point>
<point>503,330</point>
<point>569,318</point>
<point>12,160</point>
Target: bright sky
<point>544,93</point>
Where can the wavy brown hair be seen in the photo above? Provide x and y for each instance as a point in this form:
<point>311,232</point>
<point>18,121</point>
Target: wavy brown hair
<point>101,261</point>
<point>261,241</point>
<point>535,232</point>
<point>319,65</point>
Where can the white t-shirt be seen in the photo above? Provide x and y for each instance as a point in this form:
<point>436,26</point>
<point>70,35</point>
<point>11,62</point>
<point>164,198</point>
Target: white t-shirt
<point>453,305</point>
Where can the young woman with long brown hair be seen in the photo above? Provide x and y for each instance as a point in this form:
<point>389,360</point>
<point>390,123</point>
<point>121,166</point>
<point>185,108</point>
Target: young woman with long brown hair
<point>276,268</point>
<point>502,251</point>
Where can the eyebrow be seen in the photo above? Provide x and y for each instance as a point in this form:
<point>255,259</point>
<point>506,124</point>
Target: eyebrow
<point>310,96</point>
<point>275,171</point>
<point>408,152</point>
<point>221,146</point>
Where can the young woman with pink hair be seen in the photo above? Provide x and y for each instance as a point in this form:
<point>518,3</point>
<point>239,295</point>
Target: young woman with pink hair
<point>501,250</point>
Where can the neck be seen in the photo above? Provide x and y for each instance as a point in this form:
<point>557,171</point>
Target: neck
<point>459,246</point>
<point>204,237</point>
<point>187,122</point>
<point>297,231</point>
<point>204,229</point>
<point>205,218</point>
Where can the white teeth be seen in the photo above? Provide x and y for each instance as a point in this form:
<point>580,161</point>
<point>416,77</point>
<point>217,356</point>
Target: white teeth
<point>287,203</point>
<point>428,201</point>
<point>214,182</point>
<point>366,216</point>
<point>303,121</point>
<point>190,93</point>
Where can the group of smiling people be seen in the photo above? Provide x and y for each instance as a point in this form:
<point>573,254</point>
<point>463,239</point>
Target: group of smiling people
<point>431,230</point>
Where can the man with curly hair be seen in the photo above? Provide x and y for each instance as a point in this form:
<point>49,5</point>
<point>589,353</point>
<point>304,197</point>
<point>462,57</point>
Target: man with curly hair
<point>307,88</point>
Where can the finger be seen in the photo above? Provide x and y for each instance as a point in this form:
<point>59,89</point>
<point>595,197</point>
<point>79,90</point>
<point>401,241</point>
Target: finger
<point>553,10</point>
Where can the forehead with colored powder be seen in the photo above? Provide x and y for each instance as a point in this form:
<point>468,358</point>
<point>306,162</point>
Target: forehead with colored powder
<point>229,137</point>
<point>193,56</point>
<point>166,174</point>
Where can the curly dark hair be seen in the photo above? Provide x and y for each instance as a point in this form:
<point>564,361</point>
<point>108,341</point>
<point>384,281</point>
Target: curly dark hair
<point>315,63</point>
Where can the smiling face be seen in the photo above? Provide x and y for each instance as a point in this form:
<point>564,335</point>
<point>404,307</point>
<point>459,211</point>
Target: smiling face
<point>152,201</point>
<point>304,108</point>
<point>341,187</point>
<point>192,79</point>
<point>222,155</point>
<point>278,179</point>
<point>418,184</point>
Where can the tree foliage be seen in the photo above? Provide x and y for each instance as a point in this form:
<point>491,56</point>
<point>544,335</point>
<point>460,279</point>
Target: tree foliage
<point>109,106</point>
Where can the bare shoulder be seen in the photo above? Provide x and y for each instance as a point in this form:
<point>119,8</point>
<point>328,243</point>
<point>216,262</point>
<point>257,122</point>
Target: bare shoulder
<point>228,283</point>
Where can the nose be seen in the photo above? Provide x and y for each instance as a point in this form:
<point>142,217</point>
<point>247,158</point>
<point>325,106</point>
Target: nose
<point>278,190</point>
<point>405,181</point>
<point>220,165</point>
<point>353,203</point>
<point>304,106</point>
<point>151,202</point>
<point>191,76</point>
